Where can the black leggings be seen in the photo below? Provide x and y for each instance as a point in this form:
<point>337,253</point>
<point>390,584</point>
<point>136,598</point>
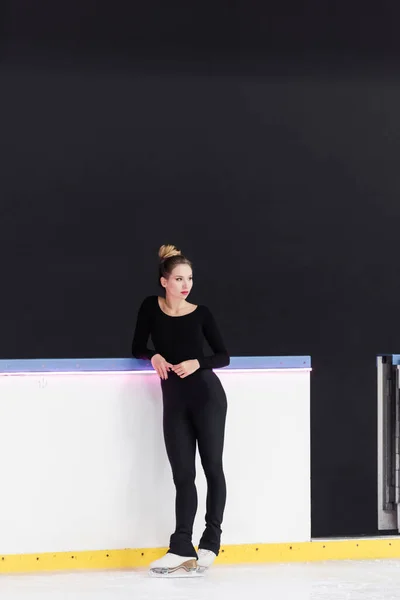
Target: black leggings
<point>195,411</point>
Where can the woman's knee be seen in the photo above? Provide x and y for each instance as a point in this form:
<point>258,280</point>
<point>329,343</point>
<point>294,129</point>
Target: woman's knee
<point>213,469</point>
<point>184,476</point>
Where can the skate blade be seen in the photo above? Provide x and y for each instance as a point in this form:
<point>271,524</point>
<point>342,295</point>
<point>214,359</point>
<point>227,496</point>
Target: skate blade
<point>175,573</point>
<point>202,570</point>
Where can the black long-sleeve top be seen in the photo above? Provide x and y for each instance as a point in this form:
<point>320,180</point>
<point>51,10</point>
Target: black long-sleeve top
<point>178,338</point>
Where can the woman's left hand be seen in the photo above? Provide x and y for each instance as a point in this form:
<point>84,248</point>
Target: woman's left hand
<point>187,367</point>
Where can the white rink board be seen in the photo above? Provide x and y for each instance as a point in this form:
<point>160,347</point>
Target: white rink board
<point>84,465</point>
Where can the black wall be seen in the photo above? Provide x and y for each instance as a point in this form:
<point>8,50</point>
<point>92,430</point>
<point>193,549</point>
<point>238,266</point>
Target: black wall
<point>264,142</point>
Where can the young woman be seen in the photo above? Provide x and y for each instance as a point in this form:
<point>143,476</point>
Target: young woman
<point>194,407</point>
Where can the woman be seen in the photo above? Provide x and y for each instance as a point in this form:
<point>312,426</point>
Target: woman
<point>194,407</point>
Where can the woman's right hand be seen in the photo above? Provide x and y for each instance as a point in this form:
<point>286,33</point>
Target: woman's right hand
<point>161,366</point>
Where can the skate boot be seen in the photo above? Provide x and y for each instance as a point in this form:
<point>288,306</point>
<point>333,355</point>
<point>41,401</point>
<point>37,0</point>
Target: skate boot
<point>172,565</point>
<point>205,560</point>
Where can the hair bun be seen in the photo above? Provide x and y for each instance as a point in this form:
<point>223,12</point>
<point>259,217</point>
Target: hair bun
<point>168,250</point>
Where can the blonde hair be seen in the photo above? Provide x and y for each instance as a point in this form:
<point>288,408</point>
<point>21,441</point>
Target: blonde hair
<point>170,257</point>
<point>167,251</point>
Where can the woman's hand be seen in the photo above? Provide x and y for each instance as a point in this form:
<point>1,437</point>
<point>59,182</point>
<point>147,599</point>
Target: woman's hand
<point>161,366</point>
<point>187,367</point>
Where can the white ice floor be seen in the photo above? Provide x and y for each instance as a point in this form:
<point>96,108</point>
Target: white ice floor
<point>348,580</point>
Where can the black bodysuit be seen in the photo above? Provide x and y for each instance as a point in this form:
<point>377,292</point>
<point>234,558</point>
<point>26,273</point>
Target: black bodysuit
<point>178,338</point>
<point>194,411</point>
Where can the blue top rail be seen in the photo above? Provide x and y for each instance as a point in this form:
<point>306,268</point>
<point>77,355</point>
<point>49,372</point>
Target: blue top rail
<point>62,365</point>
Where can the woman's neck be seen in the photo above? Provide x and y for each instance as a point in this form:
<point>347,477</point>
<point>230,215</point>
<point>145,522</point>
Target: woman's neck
<point>175,305</point>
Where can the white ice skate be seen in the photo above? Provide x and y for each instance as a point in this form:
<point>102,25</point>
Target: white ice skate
<point>172,565</point>
<point>205,560</point>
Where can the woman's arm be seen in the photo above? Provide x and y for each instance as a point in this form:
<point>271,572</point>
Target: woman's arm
<point>142,333</point>
<point>220,358</point>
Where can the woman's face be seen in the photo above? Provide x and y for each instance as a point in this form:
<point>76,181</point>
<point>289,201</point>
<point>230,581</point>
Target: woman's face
<point>179,283</point>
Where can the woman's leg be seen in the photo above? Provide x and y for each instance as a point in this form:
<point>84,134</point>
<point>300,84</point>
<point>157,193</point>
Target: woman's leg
<point>209,416</point>
<point>180,443</point>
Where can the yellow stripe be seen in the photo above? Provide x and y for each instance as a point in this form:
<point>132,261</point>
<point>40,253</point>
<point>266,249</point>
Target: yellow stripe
<point>238,554</point>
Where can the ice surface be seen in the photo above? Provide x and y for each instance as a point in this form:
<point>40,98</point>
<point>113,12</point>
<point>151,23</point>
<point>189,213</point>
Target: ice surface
<point>345,580</point>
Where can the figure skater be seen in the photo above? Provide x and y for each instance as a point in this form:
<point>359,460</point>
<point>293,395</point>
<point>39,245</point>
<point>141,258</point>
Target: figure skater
<point>194,408</point>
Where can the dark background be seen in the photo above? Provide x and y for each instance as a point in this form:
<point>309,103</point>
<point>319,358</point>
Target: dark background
<point>263,140</point>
